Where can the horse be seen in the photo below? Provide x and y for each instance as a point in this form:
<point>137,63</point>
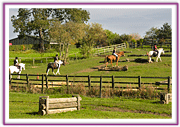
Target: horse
<point>113,58</point>
<point>15,69</point>
<point>54,66</point>
<point>154,54</point>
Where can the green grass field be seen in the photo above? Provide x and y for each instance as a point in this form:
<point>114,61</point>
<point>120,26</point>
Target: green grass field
<point>24,105</point>
<point>95,108</point>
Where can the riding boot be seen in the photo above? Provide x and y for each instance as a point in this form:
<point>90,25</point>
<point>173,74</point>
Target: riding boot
<point>116,59</point>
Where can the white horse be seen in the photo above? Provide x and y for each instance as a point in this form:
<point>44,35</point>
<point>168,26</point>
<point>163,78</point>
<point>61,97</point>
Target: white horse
<point>154,53</point>
<point>54,66</point>
<point>15,69</point>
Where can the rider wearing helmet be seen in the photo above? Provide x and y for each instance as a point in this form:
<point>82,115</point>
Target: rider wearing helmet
<point>155,49</point>
<point>55,60</point>
<point>114,53</point>
<point>16,63</point>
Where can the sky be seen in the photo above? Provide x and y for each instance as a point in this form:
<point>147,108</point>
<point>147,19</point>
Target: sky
<point>120,20</point>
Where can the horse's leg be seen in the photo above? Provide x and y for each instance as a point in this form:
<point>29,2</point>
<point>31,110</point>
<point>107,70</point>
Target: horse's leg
<point>150,59</point>
<point>111,63</point>
<point>19,75</point>
<point>47,71</point>
<point>58,71</point>
<point>53,71</point>
<point>106,64</point>
<point>117,61</point>
<point>157,59</point>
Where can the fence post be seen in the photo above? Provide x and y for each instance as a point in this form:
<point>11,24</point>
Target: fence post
<point>89,81</point>
<point>19,60</point>
<point>67,83</point>
<point>75,56</point>
<point>113,82</point>
<point>46,81</point>
<point>169,83</point>
<point>170,47</point>
<point>10,79</point>
<point>27,79</point>
<point>139,81</point>
<point>33,61</point>
<point>42,83</point>
<point>100,87</point>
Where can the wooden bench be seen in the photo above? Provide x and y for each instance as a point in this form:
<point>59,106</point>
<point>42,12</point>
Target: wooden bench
<point>57,105</point>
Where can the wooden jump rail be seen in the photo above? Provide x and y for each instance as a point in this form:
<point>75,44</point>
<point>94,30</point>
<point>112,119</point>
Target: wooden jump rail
<point>58,105</point>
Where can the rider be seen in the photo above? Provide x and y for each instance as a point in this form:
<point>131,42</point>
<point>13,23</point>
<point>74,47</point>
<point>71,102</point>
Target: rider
<point>155,49</point>
<point>55,60</point>
<point>16,63</point>
<point>114,53</point>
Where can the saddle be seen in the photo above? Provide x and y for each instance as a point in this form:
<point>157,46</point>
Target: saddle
<point>155,54</point>
<point>18,67</point>
<point>55,64</point>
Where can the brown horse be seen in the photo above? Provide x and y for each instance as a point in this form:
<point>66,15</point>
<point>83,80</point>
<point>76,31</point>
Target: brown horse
<point>113,58</point>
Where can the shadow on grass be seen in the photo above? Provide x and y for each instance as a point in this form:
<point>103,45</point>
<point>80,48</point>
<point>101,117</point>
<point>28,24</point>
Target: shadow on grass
<point>32,113</point>
<point>157,102</point>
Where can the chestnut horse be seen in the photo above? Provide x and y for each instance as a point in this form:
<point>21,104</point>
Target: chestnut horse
<point>113,58</point>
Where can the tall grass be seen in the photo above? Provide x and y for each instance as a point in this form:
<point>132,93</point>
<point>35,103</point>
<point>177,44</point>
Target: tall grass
<point>146,92</point>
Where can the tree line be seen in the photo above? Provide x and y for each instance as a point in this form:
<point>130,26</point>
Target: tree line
<point>69,26</point>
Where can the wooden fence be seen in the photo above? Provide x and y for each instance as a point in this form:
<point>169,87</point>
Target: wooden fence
<point>106,49</point>
<point>167,45</point>
<point>45,80</point>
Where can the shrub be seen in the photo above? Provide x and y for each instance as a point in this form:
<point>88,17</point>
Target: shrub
<point>146,92</point>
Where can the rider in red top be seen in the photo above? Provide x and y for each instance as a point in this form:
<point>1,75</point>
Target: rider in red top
<point>155,49</point>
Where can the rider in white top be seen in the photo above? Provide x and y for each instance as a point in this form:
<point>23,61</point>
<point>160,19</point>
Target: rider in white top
<point>16,63</point>
<point>114,53</point>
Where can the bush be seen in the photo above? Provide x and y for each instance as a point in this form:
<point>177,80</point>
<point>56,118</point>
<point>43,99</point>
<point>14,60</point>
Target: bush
<point>147,92</point>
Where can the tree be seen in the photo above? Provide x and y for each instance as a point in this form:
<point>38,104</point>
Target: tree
<point>111,37</point>
<point>65,34</point>
<point>165,32</point>
<point>135,36</point>
<point>94,35</point>
<point>125,38</point>
<point>152,33</point>
<point>38,20</point>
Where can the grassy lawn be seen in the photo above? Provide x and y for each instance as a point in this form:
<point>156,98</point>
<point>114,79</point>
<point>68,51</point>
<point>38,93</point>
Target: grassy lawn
<point>24,105</point>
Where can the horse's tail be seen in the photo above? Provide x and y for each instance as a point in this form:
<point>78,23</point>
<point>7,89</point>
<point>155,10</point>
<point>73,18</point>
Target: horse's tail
<point>106,59</point>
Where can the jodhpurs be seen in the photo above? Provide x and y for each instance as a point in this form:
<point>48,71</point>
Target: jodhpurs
<point>115,54</point>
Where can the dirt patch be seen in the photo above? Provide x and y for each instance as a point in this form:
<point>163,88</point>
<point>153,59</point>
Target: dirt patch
<point>89,69</point>
<point>114,109</point>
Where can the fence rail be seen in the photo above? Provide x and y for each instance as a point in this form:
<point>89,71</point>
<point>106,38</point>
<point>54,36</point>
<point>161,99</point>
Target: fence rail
<point>105,49</point>
<point>45,81</point>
